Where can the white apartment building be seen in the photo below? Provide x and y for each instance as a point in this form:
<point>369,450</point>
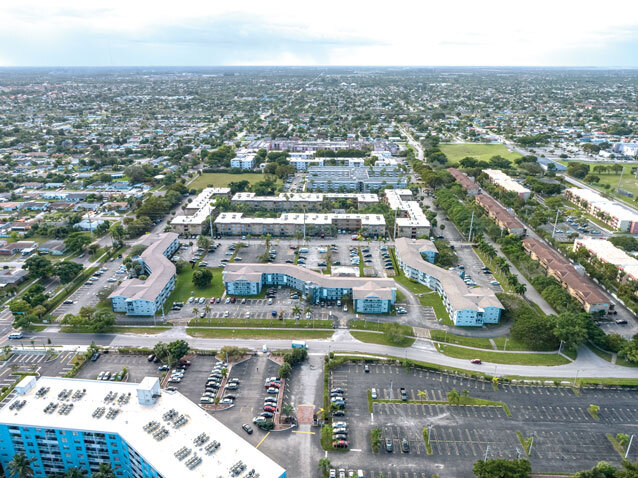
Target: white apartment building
<point>610,212</point>
<point>502,180</point>
<point>300,201</point>
<point>411,221</point>
<point>606,252</point>
<point>289,224</point>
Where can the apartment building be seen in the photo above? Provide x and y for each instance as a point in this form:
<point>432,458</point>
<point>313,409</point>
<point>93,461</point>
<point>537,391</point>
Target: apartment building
<point>289,224</point>
<point>369,295</point>
<point>610,212</point>
<point>579,286</point>
<point>300,201</point>
<point>502,180</point>
<point>206,197</point>
<point>466,306</point>
<point>364,179</point>
<point>606,252</point>
<point>471,187</point>
<point>146,297</point>
<point>500,215</point>
<point>411,221</point>
<point>138,429</point>
<point>197,213</point>
<point>244,159</point>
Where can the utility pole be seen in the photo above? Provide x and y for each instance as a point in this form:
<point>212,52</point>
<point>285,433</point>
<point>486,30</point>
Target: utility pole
<point>469,239</point>
<point>555,222</point>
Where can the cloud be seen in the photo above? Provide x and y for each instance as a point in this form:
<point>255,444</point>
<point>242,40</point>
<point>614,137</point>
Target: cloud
<point>197,32</point>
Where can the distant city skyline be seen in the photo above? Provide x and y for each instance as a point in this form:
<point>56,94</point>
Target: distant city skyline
<point>196,33</point>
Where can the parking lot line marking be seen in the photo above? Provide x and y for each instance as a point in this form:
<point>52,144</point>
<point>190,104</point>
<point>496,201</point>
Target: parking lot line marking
<point>262,440</point>
<point>307,433</point>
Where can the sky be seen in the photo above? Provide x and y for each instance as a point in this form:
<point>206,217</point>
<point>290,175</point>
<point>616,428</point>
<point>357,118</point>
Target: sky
<point>319,33</point>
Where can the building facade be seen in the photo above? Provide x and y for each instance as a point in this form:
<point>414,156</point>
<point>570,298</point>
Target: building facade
<point>465,306</point>
<point>361,179</point>
<point>137,429</point>
<point>146,297</point>
<point>610,212</point>
<point>411,221</point>
<point>369,295</point>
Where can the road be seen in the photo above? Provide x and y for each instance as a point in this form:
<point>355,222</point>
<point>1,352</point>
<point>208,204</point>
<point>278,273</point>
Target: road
<point>587,365</point>
<point>415,144</point>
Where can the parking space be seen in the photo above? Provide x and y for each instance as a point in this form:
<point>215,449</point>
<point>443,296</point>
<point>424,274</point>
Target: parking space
<point>192,384</point>
<point>566,437</point>
<point>138,366</point>
<point>87,293</point>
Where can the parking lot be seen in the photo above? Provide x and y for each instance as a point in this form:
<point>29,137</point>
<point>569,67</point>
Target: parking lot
<point>138,366</point>
<point>86,295</point>
<point>566,437</point>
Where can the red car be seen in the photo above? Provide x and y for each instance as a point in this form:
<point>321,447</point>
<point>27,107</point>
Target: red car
<point>233,300</point>
<point>476,361</point>
<point>271,385</point>
<point>212,300</point>
<point>270,408</point>
<point>340,444</point>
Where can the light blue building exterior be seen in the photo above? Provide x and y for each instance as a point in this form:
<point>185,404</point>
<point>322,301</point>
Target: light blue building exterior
<point>369,296</point>
<point>466,306</point>
<point>137,297</point>
<point>56,450</point>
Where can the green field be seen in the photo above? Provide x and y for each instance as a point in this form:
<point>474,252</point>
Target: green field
<point>412,285</point>
<point>498,357</point>
<point>482,152</point>
<point>184,286</point>
<point>219,180</point>
<point>381,339</point>
<point>240,333</point>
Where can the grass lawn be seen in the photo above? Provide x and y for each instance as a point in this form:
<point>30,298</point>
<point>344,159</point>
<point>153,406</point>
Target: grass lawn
<point>379,326</point>
<point>219,180</point>
<point>219,322</point>
<point>116,330</point>
<point>412,285</point>
<point>512,344</point>
<point>434,300</point>
<point>482,152</point>
<point>244,333</point>
<point>381,339</point>
<point>184,285</point>
<point>497,357</point>
<point>441,336</point>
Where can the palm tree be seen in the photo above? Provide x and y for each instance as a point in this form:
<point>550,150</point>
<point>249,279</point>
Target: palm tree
<point>195,311</point>
<point>20,466</point>
<point>105,471</point>
<point>453,396</point>
<point>207,309</point>
<point>296,310</point>
<point>75,473</point>
<point>287,409</point>
<point>324,465</point>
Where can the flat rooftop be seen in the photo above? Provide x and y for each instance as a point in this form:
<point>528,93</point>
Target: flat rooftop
<point>130,421</point>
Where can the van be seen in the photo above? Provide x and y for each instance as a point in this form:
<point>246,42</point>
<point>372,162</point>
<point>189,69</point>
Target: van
<point>15,335</point>
<point>264,349</point>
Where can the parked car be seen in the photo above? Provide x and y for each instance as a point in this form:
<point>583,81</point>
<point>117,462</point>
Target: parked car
<point>476,361</point>
<point>247,428</point>
<point>388,445</point>
<point>340,444</point>
<point>405,446</point>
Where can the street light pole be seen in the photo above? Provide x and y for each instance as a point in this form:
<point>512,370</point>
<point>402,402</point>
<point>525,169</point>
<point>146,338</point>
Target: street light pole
<point>629,446</point>
<point>529,453</point>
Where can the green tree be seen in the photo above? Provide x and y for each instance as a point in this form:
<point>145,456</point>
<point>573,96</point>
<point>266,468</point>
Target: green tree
<point>571,328</point>
<point>104,471</point>
<point>519,468</point>
<point>117,232</point>
<point>39,267</point>
<point>19,307</point>
<point>324,466</point>
<point>203,242</point>
<point>202,278</point>
<point>67,270</point>
<point>160,350</point>
<point>628,470</point>
<point>176,350</point>
<point>454,397</point>
<point>20,466</point>
<point>284,370</point>
<point>601,470</point>
<point>77,241</point>
<point>75,473</point>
